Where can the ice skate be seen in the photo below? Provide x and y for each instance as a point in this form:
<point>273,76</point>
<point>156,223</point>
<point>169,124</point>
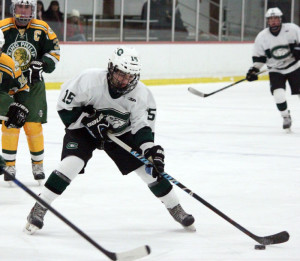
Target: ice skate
<point>38,172</point>
<point>12,171</point>
<point>35,219</point>
<point>186,220</point>
<point>287,122</point>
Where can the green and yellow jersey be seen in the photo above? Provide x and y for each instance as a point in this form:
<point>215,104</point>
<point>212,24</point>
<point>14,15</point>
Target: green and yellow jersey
<point>12,82</point>
<point>35,42</point>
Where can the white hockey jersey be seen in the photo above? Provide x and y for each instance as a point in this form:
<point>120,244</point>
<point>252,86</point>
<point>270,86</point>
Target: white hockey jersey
<point>130,112</point>
<point>275,51</point>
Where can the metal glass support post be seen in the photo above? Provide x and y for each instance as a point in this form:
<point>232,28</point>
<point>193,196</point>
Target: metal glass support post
<point>122,21</point>
<point>173,20</point>
<point>265,10</point>
<point>243,21</point>
<point>65,20</point>
<point>148,21</point>
<point>220,20</point>
<point>3,9</point>
<point>94,22</point>
<point>197,20</point>
<point>292,11</point>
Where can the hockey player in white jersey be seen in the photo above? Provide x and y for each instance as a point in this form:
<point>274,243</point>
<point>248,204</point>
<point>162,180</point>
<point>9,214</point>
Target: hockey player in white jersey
<point>112,99</point>
<point>278,46</point>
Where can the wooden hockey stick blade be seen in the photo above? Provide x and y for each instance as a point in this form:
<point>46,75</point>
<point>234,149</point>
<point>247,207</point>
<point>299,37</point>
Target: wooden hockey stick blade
<point>196,92</point>
<point>133,254</point>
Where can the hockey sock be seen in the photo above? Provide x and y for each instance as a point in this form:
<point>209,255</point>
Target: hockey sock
<point>170,200</point>
<point>70,166</point>
<point>159,188</point>
<point>35,139</point>
<point>10,139</point>
<point>57,182</point>
<point>280,99</point>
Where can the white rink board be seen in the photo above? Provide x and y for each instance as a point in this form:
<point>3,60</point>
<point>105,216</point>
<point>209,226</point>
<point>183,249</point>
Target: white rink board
<point>160,61</point>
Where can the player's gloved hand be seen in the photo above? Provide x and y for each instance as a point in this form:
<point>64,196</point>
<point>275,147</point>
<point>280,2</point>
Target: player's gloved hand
<point>252,74</point>
<point>36,69</point>
<point>97,125</point>
<point>2,164</point>
<point>156,155</point>
<point>296,52</point>
<point>17,114</point>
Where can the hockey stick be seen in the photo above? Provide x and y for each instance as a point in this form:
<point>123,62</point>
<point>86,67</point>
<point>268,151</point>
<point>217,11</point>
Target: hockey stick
<point>201,94</point>
<point>133,254</point>
<point>267,240</point>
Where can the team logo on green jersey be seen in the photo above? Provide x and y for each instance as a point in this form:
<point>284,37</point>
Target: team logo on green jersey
<point>22,53</point>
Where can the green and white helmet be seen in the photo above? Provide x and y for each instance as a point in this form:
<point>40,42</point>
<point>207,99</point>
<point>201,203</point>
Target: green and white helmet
<point>22,18</point>
<point>127,61</point>
<point>275,11</point>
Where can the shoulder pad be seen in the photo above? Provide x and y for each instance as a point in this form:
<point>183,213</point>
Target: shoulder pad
<point>6,24</point>
<point>39,24</point>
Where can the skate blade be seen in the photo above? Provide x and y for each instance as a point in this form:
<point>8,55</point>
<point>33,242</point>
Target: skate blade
<point>40,181</point>
<point>190,228</point>
<point>30,229</point>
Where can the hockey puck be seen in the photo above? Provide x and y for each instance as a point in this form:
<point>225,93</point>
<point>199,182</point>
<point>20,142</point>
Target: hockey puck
<point>260,247</point>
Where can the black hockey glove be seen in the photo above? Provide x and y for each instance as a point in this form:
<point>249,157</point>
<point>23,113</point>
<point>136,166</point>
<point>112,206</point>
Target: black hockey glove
<point>36,69</point>
<point>252,74</point>
<point>296,52</point>
<point>97,125</point>
<point>157,156</point>
<point>2,164</point>
<point>17,114</point>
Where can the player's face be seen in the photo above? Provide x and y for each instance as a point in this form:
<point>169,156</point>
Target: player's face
<point>23,10</point>
<point>122,79</point>
<point>274,21</point>
<point>23,14</point>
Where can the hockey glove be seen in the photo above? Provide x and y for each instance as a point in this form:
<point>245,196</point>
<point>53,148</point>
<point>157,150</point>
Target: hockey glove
<point>252,74</point>
<point>157,156</point>
<point>36,69</point>
<point>296,52</point>
<point>97,125</point>
<point>17,114</point>
<point>2,164</point>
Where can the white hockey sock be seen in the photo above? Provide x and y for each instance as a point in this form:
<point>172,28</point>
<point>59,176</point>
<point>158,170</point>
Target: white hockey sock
<point>148,179</point>
<point>70,166</point>
<point>48,196</point>
<point>279,97</point>
<point>170,200</point>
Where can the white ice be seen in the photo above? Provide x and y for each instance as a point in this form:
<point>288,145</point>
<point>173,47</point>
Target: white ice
<point>229,148</point>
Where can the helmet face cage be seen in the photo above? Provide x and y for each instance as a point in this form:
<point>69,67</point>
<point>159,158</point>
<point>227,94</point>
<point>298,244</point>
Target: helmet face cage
<point>123,70</point>
<point>116,77</point>
<point>21,18</point>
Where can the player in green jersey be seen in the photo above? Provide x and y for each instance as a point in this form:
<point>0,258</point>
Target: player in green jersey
<point>34,47</point>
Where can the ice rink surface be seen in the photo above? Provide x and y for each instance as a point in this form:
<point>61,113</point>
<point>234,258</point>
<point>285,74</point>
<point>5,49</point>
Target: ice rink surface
<point>228,148</point>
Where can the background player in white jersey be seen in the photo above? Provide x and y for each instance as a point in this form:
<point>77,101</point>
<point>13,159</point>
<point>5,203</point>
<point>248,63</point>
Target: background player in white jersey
<point>278,46</point>
<point>94,102</point>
